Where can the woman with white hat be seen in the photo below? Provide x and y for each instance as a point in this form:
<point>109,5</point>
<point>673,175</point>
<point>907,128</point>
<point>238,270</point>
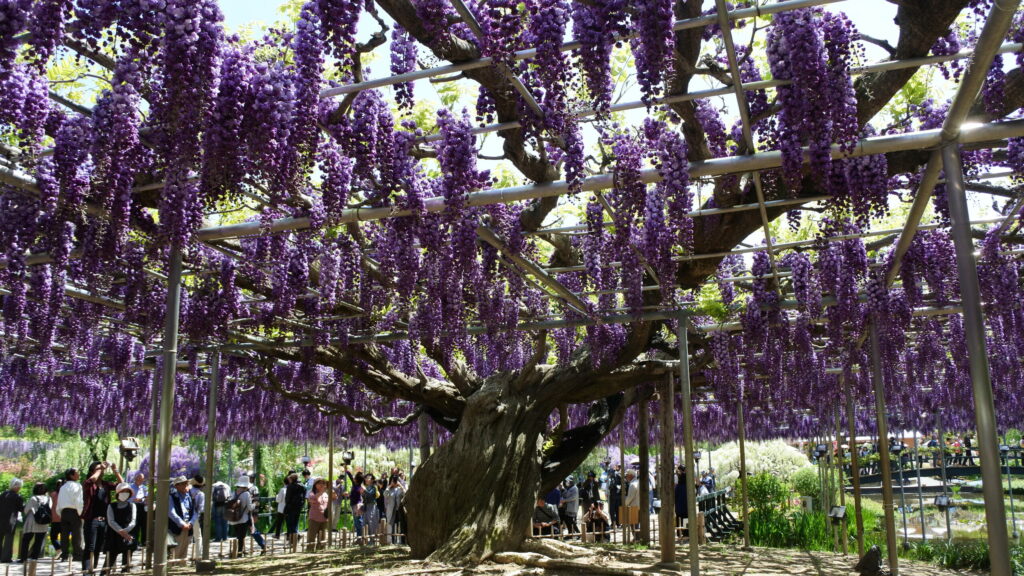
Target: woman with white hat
<point>121,520</point>
<point>237,512</point>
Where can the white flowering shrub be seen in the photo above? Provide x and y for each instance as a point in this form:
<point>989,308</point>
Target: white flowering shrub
<point>774,457</point>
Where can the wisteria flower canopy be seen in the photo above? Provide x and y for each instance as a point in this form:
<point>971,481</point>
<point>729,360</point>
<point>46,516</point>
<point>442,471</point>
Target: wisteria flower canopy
<point>521,245</point>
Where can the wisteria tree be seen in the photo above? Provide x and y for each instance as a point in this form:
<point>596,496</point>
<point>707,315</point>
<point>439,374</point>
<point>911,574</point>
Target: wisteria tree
<point>380,319</point>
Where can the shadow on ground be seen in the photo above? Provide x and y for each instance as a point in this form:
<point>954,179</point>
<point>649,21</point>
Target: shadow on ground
<point>715,561</point>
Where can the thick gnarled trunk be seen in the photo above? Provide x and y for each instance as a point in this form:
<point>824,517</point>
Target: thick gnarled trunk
<point>475,495</point>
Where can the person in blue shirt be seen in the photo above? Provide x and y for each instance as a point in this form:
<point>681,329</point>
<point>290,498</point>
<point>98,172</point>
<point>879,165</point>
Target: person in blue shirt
<point>181,516</point>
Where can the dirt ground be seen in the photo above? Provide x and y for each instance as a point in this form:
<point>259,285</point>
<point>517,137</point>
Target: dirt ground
<point>716,560</point>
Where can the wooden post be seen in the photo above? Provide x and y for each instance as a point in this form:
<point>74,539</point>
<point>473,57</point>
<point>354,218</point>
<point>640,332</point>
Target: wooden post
<point>666,516</point>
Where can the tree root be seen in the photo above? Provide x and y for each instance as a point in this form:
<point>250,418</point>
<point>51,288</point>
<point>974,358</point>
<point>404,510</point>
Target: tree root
<point>535,560</point>
<point>555,548</point>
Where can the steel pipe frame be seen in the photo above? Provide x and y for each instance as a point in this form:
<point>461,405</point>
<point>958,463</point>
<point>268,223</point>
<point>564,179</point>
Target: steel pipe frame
<point>162,494</point>
<point>759,85</point>
<point>981,384</point>
<point>883,451</point>
<point>211,454</point>
<point>843,531</point>
<point>854,462</point>
<point>688,463</point>
<point>715,167</point>
<point>644,474</point>
<point>741,424</point>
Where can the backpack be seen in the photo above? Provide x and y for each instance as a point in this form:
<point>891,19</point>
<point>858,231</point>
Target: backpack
<point>220,495</point>
<point>233,512</point>
<point>42,515</point>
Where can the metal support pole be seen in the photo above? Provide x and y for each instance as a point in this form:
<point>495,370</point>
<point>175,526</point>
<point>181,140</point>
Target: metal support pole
<point>211,455</point>
<point>844,532</point>
<point>1013,513</point>
<point>162,496</point>
<point>691,496</point>
<point>974,330</point>
<point>148,504</point>
<point>742,424</point>
<point>883,452</point>
<point>903,499</point>
<point>920,490</point>
<point>666,534</point>
<point>333,524</point>
<point>854,463</point>
<point>644,474</point>
<point>945,487</point>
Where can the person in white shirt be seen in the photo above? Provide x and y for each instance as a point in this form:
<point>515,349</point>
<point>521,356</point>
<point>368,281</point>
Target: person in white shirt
<point>279,511</point>
<point>72,502</point>
<point>140,491</point>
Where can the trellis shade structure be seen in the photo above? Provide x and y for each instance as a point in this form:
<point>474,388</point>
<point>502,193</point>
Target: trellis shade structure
<point>362,255</point>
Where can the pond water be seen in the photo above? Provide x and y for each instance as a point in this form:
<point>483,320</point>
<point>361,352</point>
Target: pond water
<point>966,518</point>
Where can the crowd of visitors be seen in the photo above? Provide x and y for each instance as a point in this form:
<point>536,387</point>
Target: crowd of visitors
<point>573,506</point>
<point>102,513</point>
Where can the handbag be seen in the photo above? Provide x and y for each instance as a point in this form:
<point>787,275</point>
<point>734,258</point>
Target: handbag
<point>172,542</point>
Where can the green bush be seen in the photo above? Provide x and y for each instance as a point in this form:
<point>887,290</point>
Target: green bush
<point>766,491</point>
<point>806,482</point>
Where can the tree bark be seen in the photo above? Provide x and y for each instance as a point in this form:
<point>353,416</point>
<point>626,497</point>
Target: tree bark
<point>475,495</point>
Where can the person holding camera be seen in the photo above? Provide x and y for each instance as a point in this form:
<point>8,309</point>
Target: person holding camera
<point>597,521</point>
<point>122,517</point>
<point>95,496</point>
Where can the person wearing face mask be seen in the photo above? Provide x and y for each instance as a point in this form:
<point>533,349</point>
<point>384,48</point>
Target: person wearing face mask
<point>121,521</point>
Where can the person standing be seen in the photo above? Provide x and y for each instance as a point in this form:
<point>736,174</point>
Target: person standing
<point>95,496</point>
<point>199,502</point>
<point>181,515</point>
<point>319,513</point>
<point>294,499</point>
<point>614,493</point>
<point>631,501</point>
<point>55,539</point>
<point>11,504</point>
<point>279,510</point>
<point>122,516</point>
<point>571,501</point>
<point>71,503</point>
<point>355,500</point>
<point>241,523</point>
<point>33,533</point>
<point>140,492</point>
<point>392,506</point>
<point>340,495</point>
<point>371,514</point>
<point>589,491</point>
<point>220,498</point>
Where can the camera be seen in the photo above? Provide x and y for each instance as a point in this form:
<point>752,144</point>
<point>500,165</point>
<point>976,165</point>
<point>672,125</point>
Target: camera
<point>129,448</point>
<point>347,457</point>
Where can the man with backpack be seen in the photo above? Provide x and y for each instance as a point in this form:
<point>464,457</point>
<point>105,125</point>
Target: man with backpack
<point>237,513</point>
<point>220,497</point>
